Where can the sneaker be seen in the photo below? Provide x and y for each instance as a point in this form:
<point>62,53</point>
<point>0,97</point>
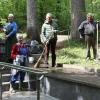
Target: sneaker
<point>96,60</point>
<point>11,90</point>
<point>87,58</point>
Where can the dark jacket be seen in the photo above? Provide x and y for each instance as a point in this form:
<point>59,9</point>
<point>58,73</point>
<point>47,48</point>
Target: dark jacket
<point>87,28</point>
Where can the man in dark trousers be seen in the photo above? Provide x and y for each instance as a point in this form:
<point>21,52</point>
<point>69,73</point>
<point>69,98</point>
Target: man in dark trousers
<point>49,37</point>
<point>88,31</point>
<point>10,30</point>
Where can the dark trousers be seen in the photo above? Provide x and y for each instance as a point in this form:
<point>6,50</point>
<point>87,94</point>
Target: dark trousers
<point>51,46</point>
<point>9,43</point>
<point>91,42</point>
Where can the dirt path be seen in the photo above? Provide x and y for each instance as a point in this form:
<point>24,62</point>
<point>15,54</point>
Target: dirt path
<point>60,41</point>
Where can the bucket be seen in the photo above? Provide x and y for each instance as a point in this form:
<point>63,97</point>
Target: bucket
<point>31,60</point>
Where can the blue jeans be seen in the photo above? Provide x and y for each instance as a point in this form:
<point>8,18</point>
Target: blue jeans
<point>19,75</point>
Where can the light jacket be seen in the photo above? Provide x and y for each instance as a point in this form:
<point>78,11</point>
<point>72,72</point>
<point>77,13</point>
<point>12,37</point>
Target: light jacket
<point>46,31</point>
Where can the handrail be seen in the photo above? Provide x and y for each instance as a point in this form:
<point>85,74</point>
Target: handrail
<point>35,71</point>
<point>24,68</point>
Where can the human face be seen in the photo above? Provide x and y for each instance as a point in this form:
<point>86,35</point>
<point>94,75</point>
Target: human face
<point>89,18</point>
<point>49,18</point>
<point>10,19</point>
<point>20,39</point>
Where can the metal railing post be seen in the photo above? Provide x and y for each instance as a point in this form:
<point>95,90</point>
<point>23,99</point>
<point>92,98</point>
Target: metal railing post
<point>39,78</point>
<point>38,88</point>
<point>0,85</point>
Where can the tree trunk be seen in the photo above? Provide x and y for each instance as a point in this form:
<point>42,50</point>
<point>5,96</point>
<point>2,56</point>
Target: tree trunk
<point>32,27</point>
<point>77,16</point>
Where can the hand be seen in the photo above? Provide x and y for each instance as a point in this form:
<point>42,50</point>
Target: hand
<point>82,36</point>
<point>1,30</point>
<point>6,37</point>
<point>54,31</point>
<point>46,42</point>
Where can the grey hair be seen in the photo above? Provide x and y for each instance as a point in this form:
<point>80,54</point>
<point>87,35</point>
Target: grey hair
<point>48,15</point>
<point>10,15</point>
<point>18,36</point>
<point>90,14</point>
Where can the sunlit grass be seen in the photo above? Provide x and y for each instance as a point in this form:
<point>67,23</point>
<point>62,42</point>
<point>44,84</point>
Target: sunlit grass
<point>75,53</point>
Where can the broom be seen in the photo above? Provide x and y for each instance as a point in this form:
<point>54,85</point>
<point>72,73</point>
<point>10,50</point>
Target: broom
<point>37,64</point>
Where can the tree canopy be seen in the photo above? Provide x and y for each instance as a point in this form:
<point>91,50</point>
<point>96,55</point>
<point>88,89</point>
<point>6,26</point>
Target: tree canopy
<point>61,10</point>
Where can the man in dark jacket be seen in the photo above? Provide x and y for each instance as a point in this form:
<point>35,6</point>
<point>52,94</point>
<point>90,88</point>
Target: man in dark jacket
<point>88,31</point>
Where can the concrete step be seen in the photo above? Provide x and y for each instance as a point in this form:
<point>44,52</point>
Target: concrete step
<point>26,96</point>
<point>6,85</point>
<point>6,80</point>
<point>6,71</point>
<point>5,77</point>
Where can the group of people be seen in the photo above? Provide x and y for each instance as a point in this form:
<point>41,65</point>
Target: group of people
<point>17,51</point>
<point>88,30</point>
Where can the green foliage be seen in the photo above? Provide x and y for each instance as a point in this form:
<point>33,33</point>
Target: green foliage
<point>60,9</point>
<point>17,7</point>
<point>3,21</point>
<point>94,7</point>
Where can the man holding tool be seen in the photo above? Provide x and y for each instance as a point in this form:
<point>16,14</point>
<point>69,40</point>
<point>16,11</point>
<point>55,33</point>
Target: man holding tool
<point>49,37</point>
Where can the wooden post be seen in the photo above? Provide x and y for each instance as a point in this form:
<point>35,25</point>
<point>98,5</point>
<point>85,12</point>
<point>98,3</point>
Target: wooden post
<point>97,39</point>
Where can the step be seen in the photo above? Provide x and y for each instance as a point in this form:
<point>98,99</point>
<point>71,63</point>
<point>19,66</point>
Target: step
<point>6,85</point>
<point>6,77</point>
<point>26,96</point>
<point>6,71</point>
